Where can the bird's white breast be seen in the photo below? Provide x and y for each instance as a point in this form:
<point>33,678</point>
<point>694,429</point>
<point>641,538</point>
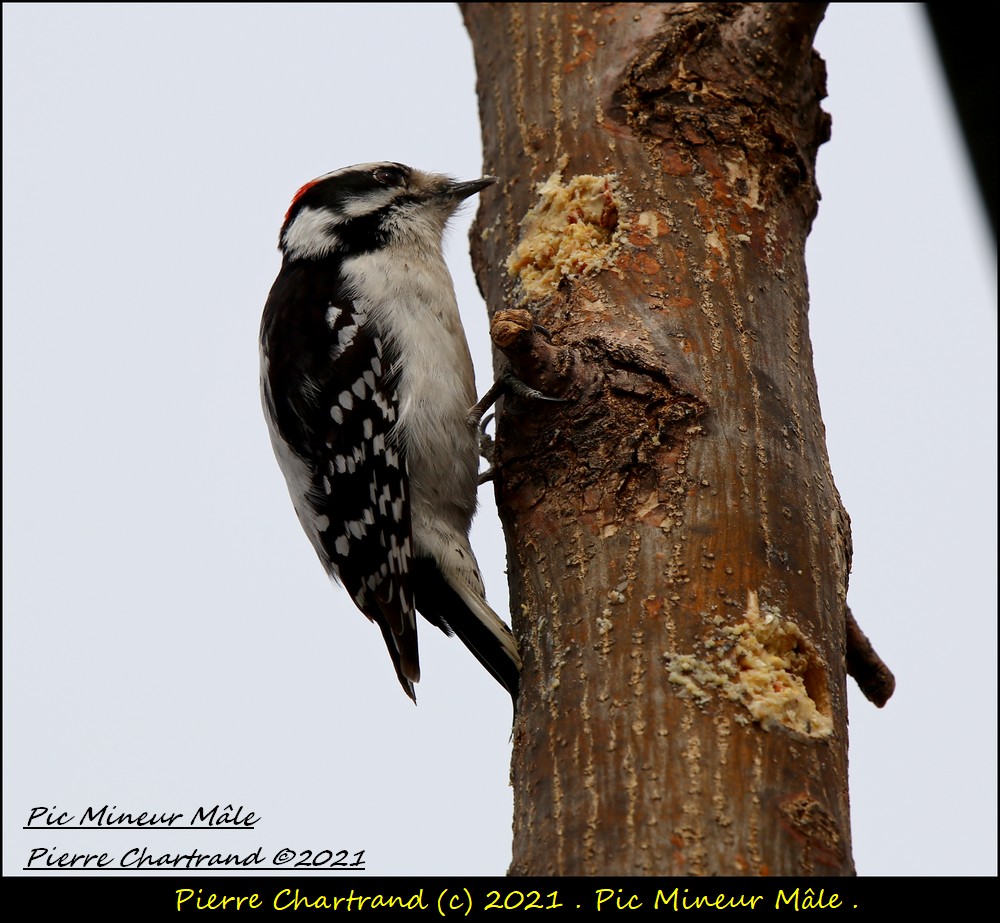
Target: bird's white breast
<point>407,294</point>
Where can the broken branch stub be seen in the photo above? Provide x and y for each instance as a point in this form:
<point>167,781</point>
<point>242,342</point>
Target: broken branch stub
<point>552,370</point>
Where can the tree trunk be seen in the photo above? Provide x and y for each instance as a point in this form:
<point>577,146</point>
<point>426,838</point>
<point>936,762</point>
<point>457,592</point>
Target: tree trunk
<point>678,552</point>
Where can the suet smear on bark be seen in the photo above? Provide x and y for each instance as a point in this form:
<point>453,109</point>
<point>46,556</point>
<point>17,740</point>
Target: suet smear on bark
<point>571,230</point>
<point>764,662</point>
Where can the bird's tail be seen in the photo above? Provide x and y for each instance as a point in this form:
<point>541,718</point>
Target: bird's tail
<point>455,606</point>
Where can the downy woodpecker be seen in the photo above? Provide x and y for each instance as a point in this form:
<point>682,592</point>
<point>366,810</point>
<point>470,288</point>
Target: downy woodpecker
<point>367,383</point>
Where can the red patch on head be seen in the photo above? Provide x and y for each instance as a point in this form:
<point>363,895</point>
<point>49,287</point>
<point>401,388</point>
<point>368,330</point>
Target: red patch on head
<point>298,195</point>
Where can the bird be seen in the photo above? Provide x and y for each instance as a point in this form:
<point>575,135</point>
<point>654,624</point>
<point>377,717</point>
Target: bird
<point>366,385</point>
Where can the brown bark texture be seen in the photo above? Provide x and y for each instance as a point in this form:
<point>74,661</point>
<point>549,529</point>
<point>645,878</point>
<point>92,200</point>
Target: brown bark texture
<point>678,553</point>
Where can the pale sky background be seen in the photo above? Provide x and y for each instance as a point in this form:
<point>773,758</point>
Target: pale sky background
<point>170,639</point>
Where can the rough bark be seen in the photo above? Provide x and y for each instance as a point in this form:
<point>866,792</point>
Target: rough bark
<point>678,553</point>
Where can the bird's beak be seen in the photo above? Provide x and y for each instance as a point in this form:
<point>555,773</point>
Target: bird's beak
<point>471,187</point>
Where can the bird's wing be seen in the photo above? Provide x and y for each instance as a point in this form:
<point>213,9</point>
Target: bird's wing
<point>347,476</point>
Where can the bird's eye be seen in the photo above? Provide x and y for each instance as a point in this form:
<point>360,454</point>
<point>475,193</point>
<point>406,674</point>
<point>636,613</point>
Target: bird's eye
<point>389,176</point>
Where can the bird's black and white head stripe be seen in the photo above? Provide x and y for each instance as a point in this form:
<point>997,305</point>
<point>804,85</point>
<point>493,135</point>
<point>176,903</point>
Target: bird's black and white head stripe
<point>366,207</point>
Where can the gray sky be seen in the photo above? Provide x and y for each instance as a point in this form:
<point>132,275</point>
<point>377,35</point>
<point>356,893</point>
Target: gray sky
<point>170,639</point>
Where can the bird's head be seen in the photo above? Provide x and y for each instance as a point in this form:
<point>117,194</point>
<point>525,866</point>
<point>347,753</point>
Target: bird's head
<point>371,205</point>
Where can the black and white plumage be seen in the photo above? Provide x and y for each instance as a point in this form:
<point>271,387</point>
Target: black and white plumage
<point>367,383</point>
